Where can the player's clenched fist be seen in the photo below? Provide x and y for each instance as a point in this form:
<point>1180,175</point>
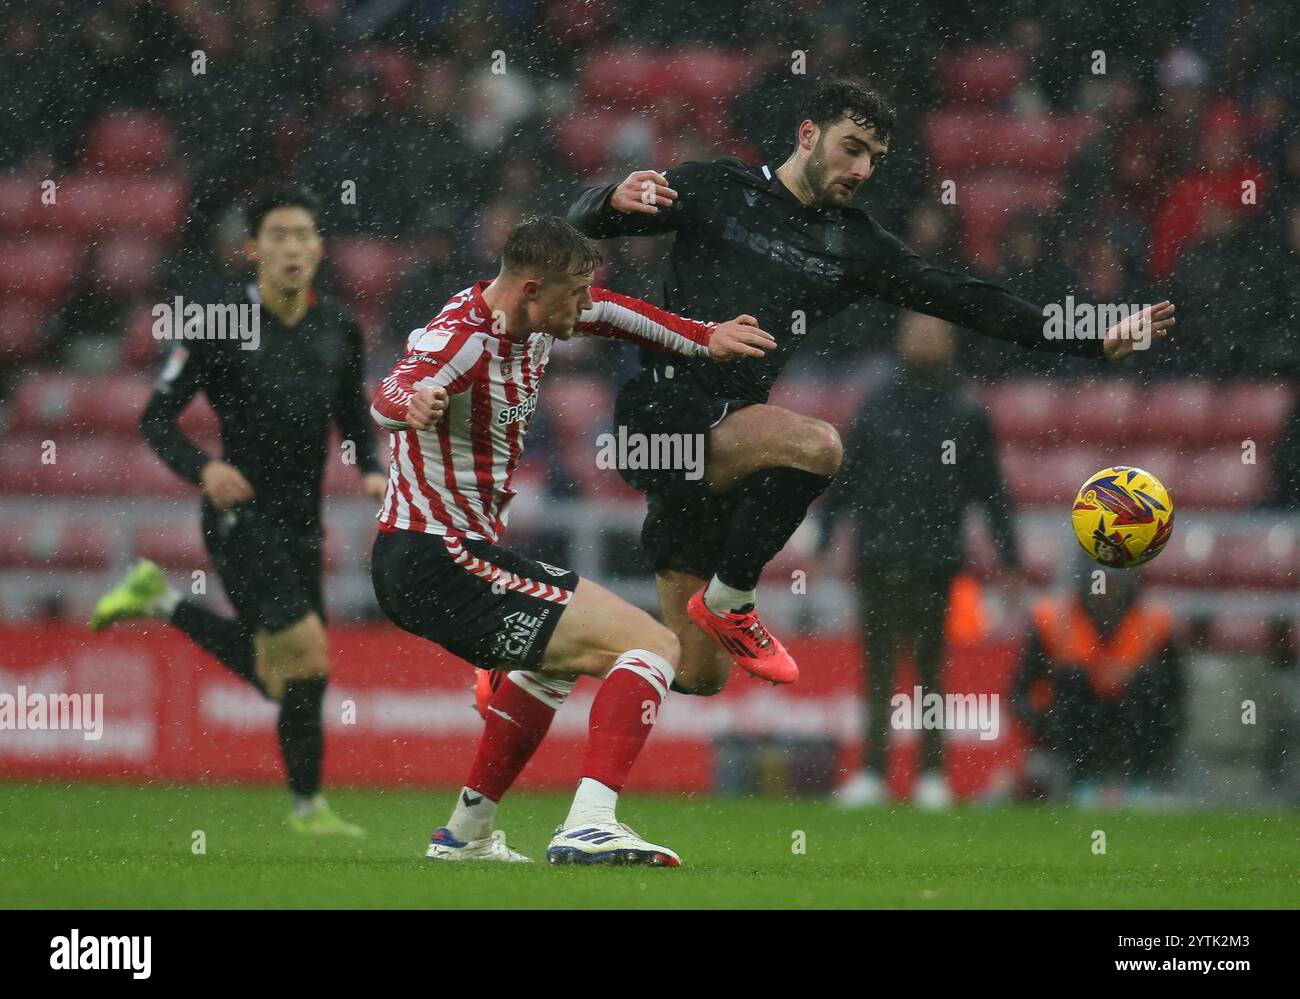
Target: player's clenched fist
<point>224,485</point>
<point>644,191</point>
<point>740,337</point>
<point>426,407</point>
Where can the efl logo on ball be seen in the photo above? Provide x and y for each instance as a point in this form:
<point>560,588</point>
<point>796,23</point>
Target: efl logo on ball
<point>1123,516</point>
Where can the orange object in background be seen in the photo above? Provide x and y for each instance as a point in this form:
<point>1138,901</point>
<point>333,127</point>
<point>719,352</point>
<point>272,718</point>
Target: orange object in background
<point>967,621</point>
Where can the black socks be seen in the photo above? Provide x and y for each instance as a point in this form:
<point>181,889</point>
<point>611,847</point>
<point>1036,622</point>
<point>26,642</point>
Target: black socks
<point>300,728</point>
<point>302,736</point>
<point>771,505</point>
<point>224,637</point>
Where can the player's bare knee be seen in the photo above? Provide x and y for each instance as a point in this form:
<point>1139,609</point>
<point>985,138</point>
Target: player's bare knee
<point>302,644</point>
<point>662,642</point>
<point>824,449</point>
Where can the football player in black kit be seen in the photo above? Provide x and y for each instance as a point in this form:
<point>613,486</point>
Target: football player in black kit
<point>787,244</point>
<point>261,510</point>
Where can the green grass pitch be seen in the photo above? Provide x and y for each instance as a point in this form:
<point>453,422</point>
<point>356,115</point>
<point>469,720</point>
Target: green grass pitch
<point>105,846</point>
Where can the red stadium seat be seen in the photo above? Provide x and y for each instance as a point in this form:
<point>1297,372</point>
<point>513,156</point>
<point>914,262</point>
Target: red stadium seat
<point>20,203</point>
<point>41,268</point>
<point>578,27</point>
<point>987,202</point>
<point>128,142</point>
<point>1194,558</point>
<point>700,74</point>
<point>20,329</point>
<point>81,466</point>
<point>1048,476</point>
<point>1233,631</point>
<point>1261,557</point>
<point>1252,410</point>
<point>55,403</point>
<point>175,544</point>
<point>141,349</point>
<point>578,459</point>
<point>340,479</point>
<point>590,138</point>
<point>370,269</point>
<point>835,402</point>
<point>118,401</point>
<point>1039,144</point>
<point>1025,410</point>
<point>126,266</point>
<point>980,74</point>
<point>578,407</point>
<point>90,205</point>
<point>1041,552</point>
<point>1180,412</point>
<point>1217,478</point>
<point>54,543</point>
<point>148,475</point>
<point>1102,411</point>
<point>394,69</point>
<point>961,140</point>
<point>623,77</point>
<point>954,140</point>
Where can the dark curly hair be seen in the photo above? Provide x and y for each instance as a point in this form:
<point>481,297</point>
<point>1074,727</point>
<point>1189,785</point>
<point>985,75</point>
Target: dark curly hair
<point>832,100</point>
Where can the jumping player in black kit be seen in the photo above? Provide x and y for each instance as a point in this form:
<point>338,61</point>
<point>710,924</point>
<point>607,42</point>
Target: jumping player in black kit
<point>787,244</point>
<point>261,510</point>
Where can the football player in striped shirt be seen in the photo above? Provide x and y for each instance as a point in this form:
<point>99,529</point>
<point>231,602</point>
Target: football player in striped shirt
<point>458,405</point>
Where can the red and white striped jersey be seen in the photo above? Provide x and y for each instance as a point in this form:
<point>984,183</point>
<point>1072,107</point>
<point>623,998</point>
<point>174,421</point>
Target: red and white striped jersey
<point>454,478</point>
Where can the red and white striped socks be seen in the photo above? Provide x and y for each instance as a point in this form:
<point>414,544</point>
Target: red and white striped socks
<point>626,708</point>
<point>519,716</point>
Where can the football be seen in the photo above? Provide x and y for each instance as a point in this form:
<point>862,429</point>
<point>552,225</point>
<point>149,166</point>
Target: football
<point>1123,516</point>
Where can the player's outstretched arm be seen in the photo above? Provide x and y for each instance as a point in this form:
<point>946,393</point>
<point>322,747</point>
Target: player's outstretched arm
<point>1151,323</point>
<point>622,317</point>
<point>893,273</point>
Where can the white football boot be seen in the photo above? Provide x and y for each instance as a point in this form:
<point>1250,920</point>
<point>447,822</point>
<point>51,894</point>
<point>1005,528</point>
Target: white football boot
<point>932,792</point>
<point>444,846</point>
<point>863,790</point>
<point>607,842</point>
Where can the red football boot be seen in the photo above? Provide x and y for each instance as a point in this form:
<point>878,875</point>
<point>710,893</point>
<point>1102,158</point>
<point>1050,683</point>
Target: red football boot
<point>486,682</point>
<point>753,648</point>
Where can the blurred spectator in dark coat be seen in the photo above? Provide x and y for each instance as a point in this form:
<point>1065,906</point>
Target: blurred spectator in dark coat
<point>360,146</point>
<point>1029,267</point>
<point>1220,177</point>
<point>916,456</point>
<point>437,274</point>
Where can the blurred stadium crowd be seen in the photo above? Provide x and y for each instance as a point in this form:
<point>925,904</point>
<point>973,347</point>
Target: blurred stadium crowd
<point>156,120</point>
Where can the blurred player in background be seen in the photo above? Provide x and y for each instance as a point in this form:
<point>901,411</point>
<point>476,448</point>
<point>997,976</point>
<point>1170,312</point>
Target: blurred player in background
<point>906,484</point>
<point>459,404</point>
<point>788,244</point>
<point>261,509</point>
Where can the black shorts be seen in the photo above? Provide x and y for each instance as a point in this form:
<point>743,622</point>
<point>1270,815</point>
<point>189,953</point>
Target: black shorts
<point>270,570</point>
<point>492,607</point>
<point>686,526</point>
